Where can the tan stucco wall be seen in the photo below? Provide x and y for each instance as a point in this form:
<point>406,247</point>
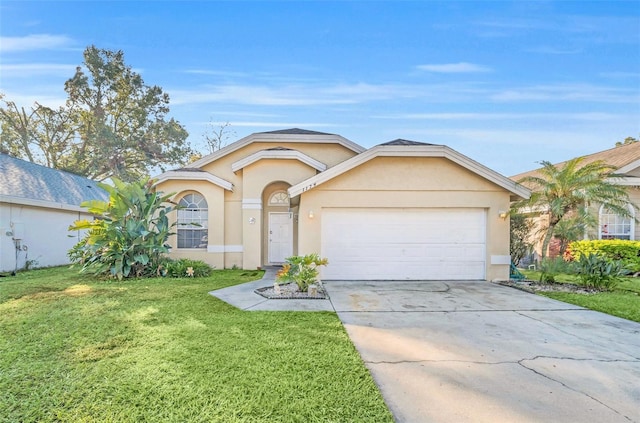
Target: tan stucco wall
<point>412,183</point>
<point>214,253</point>
<point>256,178</point>
<point>237,219</point>
<point>329,154</point>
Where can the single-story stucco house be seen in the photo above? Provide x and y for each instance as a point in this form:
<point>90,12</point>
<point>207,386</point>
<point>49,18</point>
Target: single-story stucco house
<point>37,205</point>
<point>400,210</point>
<point>625,159</point>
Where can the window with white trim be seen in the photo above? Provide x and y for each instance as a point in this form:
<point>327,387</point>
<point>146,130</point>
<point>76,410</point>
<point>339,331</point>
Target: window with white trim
<point>279,198</point>
<point>614,226</point>
<point>193,221</point>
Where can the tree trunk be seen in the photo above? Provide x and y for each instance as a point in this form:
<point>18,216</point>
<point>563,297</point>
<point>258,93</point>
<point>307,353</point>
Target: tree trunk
<point>547,240</point>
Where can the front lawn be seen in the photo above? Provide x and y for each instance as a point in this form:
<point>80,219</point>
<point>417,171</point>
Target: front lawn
<point>164,350</point>
<point>623,301</point>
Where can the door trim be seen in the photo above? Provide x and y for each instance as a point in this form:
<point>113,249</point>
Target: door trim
<point>270,250</point>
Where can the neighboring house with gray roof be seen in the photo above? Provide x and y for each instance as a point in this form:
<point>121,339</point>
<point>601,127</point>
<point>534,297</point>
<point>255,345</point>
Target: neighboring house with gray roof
<point>37,205</point>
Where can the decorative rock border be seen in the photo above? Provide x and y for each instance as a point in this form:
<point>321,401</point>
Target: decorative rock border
<point>290,291</point>
<point>534,286</point>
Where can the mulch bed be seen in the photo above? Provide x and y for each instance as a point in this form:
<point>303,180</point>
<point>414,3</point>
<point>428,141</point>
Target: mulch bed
<point>290,291</point>
<point>536,286</point>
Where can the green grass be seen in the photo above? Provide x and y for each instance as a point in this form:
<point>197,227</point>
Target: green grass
<point>623,301</point>
<point>164,350</point>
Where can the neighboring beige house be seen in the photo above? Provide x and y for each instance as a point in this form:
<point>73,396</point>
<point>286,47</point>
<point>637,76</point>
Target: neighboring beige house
<point>400,210</point>
<point>37,205</point>
<point>626,160</point>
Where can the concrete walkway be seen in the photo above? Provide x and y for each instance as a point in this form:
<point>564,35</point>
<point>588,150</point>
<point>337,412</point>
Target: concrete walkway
<point>480,352</point>
<point>243,297</point>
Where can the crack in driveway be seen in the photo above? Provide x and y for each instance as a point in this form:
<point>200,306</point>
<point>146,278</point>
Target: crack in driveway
<point>521,363</point>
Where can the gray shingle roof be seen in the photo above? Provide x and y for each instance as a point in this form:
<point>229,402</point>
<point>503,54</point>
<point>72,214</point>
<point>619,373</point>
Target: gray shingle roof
<point>189,169</point>
<point>19,178</point>
<point>400,141</point>
<point>295,131</point>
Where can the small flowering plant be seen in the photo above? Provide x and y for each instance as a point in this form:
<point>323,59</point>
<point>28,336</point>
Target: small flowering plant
<point>303,270</point>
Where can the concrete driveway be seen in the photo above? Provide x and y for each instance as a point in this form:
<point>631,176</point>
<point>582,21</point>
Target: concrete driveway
<point>480,352</point>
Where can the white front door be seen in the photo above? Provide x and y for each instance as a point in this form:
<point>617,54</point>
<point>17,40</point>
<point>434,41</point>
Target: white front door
<point>280,237</point>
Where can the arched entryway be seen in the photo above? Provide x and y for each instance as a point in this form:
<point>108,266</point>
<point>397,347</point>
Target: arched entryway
<point>279,236</point>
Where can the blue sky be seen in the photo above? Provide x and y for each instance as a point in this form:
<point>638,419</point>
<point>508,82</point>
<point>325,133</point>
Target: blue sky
<point>505,83</point>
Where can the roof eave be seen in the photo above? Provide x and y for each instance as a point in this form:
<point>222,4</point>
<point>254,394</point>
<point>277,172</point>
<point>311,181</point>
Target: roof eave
<point>173,175</point>
<point>517,191</point>
<point>628,167</point>
<point>278,154</point>
<point>10,199</point>
<point>280,138</point>
<point>628,181</point>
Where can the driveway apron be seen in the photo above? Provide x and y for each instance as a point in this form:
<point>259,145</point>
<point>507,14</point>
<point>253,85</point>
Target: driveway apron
<point>481,352</point>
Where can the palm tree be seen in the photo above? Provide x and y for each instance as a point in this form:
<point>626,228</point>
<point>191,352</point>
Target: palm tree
<point>567,190</point>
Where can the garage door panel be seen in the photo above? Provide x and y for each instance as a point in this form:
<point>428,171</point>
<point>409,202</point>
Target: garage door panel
<point>404,243</point>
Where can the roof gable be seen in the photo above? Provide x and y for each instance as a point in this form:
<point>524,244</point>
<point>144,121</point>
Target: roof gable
<point>412,150</point>
<point>401,141</point>
<point>193,174</point>
<point>295,131</point>
<point>22,181</point>
<point>294,135</point>
<point>278,153</point>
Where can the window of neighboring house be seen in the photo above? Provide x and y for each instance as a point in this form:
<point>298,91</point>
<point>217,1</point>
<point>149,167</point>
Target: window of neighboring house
<point>193,221</point>
<point>614,226</point>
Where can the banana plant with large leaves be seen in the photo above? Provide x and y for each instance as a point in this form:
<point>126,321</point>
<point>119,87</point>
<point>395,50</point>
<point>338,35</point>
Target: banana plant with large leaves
<point>128,237</point>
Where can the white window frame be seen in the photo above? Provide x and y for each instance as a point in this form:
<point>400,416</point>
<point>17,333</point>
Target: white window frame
<point>279,198</point>
<point>613,226</point>
<point>193,221</point>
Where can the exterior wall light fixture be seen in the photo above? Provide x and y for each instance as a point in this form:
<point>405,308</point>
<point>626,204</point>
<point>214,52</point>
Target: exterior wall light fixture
<point>311,214</point>
<point>503,214</point>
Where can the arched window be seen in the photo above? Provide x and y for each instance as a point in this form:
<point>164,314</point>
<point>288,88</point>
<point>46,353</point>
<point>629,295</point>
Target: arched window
<point>614,226</point>
<point>193,221</point>
<point>279,198</point>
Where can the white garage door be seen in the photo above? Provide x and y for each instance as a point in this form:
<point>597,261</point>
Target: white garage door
<point>404,244</point>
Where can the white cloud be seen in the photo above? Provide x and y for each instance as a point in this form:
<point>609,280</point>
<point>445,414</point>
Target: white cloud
<point>461,67</point>
<point>37,69</point>
<point>553,50</point>
<point>568,92</point>
<point>291,95</point>
<point>28,100</point>
<point>588,116</point>
<point>512,151</point>
<point>290,124</point>
<point>217,73</point>
<point>620,75</point>
<point>34,42</point>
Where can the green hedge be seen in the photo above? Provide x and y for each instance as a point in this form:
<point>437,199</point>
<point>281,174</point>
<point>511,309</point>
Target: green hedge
<point>185,267</point>
<point>614,249</point>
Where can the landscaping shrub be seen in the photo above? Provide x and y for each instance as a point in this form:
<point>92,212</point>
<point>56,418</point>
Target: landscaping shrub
<point>628,252</point>
<point>303,270</point>
<point>550,268</point>
<point>180,268</point>
<point>519,228</point>
<point>129,236</point>
<point>598,272</point>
